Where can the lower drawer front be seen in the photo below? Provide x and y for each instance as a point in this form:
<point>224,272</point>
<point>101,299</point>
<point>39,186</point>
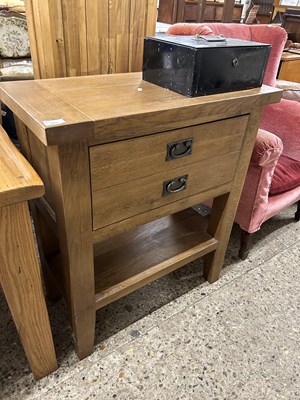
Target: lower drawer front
<point>125,200</point>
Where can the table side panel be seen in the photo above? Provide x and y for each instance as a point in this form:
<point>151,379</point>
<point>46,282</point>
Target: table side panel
<point>40,162</point>
<point>289,70</point>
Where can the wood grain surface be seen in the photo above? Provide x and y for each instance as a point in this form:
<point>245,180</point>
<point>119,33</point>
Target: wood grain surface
<point>18,180</point>
<point>105,167</point>
<point>86,37</point>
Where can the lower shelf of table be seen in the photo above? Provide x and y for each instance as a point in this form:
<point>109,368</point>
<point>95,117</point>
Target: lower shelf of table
<point>134,258</point>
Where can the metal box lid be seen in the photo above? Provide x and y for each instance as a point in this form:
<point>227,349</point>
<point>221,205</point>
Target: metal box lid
<point>203,42</point>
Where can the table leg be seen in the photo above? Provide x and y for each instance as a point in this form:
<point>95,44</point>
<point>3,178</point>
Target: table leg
<point>22,286</point>
<point>219,226</point>
<point>225,206</point>
<point>69,166</point>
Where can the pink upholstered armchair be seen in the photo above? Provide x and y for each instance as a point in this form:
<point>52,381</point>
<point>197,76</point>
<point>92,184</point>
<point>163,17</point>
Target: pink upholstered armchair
<point>273,179</point>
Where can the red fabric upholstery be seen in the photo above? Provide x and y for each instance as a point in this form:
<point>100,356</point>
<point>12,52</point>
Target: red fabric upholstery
<point>283,119</point>
<point>286,175</point>
<point>253,205</point>
<point>279,133</point>
<point>193,29</point>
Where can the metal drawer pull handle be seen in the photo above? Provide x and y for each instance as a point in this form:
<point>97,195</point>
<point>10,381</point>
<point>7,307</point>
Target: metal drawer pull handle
<point>178,189</point>
<point>175,185</point>
<point>179,149</point>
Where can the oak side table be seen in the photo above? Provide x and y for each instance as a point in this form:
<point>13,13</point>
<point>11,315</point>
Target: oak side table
<point>123,161</point>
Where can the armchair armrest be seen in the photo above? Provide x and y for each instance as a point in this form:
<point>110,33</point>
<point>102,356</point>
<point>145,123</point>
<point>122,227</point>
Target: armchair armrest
<point>254,198</point>
<point>283,119</point>
<point>267,149</point>
<point>18,180</point>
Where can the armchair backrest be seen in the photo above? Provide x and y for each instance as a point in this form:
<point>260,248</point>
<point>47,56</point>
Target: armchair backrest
<point>274,35</point>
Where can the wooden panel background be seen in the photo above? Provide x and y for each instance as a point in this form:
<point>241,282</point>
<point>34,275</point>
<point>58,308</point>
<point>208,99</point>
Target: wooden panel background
<point>88,37</point>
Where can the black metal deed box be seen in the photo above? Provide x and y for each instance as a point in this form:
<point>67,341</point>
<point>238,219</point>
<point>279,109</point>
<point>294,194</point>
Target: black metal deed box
<point>203,65</point>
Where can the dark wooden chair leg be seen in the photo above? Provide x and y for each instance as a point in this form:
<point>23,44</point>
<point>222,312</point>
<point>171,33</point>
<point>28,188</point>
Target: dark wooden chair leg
<point>297,213</point>
<point>245,245</point>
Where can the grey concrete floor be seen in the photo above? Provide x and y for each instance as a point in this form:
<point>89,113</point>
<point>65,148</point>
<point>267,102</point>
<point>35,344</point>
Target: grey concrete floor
<point>182,338</point>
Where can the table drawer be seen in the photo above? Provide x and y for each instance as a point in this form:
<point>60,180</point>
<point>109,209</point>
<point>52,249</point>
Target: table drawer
<point>125,200</point>
<point>128,160</point>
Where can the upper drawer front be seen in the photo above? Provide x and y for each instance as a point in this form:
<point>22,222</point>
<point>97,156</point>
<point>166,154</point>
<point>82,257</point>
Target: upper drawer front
<point>128,160</point>
<point>119,202</point>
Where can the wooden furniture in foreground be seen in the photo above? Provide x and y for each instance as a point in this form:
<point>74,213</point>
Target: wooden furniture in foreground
<point>19,268</point>
<point>289,69</point>
<point>123,161</point>
<point>172,11</point>
<point>82,37</point>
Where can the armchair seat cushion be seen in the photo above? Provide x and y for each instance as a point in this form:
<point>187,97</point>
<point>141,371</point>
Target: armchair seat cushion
<point>286,175</point>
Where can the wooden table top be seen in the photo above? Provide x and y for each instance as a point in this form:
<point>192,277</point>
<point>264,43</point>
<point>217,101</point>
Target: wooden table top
<point>104,107</point>
<point>287,56</point>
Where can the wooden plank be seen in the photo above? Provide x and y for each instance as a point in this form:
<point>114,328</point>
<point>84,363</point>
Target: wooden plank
<point>47,44</point>
<point>32,33</point>
<point>180,11</point>
<point>38,45</point>
<point>56,32</point>
<point>97,36</point>
<point>103,33</point>
<point>228,10</point>
<point>21,283</point>
<point>137,28</point>
<point>119,11</point>
<point>81,23</point>
<point>155,250</point>
<point>18,180</point>
<point>167,11</point>
<point>202,5</point>
<point>75,36</point>
<point>80,37</point>
<point>151,17</point>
